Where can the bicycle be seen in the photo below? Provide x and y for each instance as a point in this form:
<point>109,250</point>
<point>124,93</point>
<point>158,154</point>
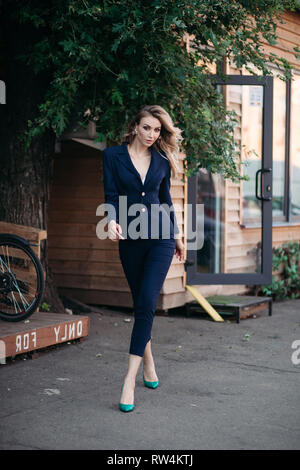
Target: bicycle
<point>22,280</point>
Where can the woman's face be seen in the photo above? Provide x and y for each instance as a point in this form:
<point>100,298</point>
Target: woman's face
<point>148,130</point>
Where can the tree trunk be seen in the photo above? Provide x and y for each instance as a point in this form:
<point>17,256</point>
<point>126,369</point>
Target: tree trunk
<point>25,176</point>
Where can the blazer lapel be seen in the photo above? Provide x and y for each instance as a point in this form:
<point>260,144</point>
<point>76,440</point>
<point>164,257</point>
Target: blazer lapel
<point>124,158</point>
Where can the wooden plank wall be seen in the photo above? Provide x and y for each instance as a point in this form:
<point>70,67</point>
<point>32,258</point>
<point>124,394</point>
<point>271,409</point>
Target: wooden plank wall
<point>288,34</point>
<point>84,266</point>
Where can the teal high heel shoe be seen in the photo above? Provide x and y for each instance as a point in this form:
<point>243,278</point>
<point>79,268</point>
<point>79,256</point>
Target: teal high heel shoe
<point>150,384</point>
<point>125,407</point>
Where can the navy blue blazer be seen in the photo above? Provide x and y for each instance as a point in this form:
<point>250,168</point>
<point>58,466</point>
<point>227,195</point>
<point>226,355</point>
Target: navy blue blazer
<point>154,215</point>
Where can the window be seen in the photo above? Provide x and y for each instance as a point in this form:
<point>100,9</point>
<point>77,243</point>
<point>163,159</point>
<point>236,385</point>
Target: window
<point>286,150</point>
<point>279,147</point>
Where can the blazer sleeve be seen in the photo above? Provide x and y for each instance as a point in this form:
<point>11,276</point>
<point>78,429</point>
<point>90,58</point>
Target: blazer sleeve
<point>165,197</point>
<point>110,189</point>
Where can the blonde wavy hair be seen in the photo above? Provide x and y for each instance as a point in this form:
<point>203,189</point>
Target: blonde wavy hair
<point>170,137</point>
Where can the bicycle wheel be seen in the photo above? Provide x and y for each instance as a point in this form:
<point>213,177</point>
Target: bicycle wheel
<point>21,279</point>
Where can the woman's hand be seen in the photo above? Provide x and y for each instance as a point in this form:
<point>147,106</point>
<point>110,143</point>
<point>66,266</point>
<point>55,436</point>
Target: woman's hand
<point>179,250</point>
<point>115,231</point>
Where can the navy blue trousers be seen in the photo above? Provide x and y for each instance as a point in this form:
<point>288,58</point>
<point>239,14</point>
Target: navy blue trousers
<point>146,263</point>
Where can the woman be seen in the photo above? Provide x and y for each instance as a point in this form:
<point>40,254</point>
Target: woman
<point>140,169</point>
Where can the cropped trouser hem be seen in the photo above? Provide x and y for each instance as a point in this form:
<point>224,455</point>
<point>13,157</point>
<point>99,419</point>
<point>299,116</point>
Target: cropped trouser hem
<point>140,336</point>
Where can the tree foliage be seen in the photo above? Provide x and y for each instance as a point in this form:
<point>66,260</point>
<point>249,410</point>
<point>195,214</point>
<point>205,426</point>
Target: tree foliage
<point>106,59</point>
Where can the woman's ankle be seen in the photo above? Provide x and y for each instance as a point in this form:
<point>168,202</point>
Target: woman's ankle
<point>148,363</point>
<point>149,371</point>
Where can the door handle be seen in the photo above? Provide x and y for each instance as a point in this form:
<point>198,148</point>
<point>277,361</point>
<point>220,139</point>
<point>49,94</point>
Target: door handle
<point>262,197</point>
<point>188,263</point>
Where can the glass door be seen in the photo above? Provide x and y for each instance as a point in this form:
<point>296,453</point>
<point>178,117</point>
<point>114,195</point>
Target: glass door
<point>233,221</point>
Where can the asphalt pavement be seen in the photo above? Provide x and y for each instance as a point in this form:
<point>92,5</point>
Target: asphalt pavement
<point>222,386</point>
